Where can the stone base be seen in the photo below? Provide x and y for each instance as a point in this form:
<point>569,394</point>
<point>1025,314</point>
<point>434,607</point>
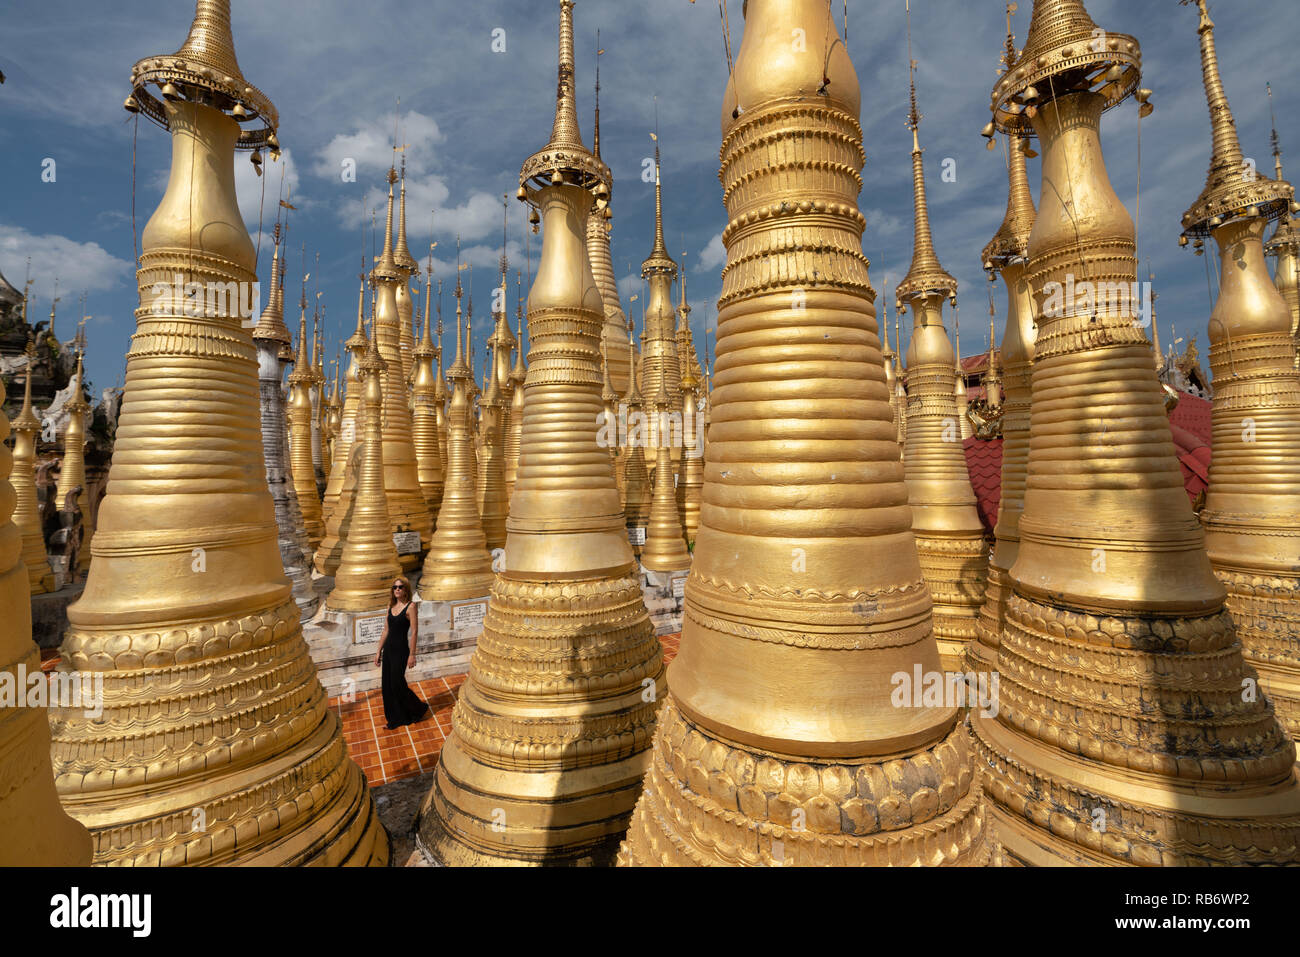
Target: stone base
<point>662,600</point>
<point>345,656</point>
<point>50,614</point>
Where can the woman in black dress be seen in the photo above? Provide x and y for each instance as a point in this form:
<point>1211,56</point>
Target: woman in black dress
<point>396,654</point>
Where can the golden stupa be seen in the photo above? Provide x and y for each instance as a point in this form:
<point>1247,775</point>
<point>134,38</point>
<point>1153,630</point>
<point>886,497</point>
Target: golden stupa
<point>339,498</point>
<point>1283,247</point>
<point>494,412</point>
<point>945,521</point>
<point>636,476</point>
<point>599,226</point>
<point>272,340</point>
<point>369,561</point>
<point>301,419</point>
<point>1008,253</point>
<point>34,830</point>
<point>215,744</point>
<point>402,290</point>
<point>407,510</point>
<point>518,374</point>
<point>1123,735</point>
<point>552,730</point>
<point>1252,506</point>
<point>691,480</point>
<point>778,743</point>
<point>424,415</point>
<point>665,543</point>
<point>72,474</point>
<point>26,513</point>
<point>659,367</point>
<point>458,564</point>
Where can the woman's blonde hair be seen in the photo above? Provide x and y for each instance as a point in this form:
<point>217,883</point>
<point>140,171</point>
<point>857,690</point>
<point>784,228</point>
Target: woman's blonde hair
<point>406,584</point>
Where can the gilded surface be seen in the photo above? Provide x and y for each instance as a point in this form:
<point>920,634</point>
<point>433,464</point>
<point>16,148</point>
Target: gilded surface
<point>209,693</point>
<point>1125,733</point>
<point>551,731</point>
<point>779,743</point>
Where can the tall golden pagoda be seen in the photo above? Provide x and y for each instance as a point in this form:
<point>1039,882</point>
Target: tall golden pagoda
<point>659,360</point>
<point>1008,253</point>
<point>369,562</point>
<point>960,396</point>
<point>411,268</point>
<point>609,421</point>
<point>458,564</point>
<point>272,341</point>
<point>1252,506</point>
<point>316,394</point>
<point>494,411</point>
<point>636,477</point>
<point>440,390</point>
<point>72,474</point>
<point>1123,735</point>
<point>34,830</point>
<point>1284,246</point>
<point>599,226</point>
<point>26,514</point>
<point>778,743</point>
<point>209,694</point>
<point>302,470</point>
<point>945,521</point>
<point>407,510</point>
<point>691,480</point>
<point>551,732</point>
<point>891,368</point>
<point>518,375</point>
<point>424,416</point>
<point>900,390</point>
<point>665,543</point>
<point>333,417</point>
<point>340,492</point>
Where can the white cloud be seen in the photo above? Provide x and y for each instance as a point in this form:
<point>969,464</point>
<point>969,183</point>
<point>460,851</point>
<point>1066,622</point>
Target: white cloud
<point>79,267</point>
<point>714,255</point>
<point>370,146</point>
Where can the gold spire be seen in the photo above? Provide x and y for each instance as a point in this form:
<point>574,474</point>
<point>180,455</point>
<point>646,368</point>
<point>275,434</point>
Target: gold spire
<point>518,375</point>
<point>1232,188</point>
<point>34,830</point>
<point>637,490</point>
<point>1284,246</point>
<point>770,697</point>
<point>72,473</point>
<point>926,276</point>
<point>1251,505</point>
<point>369,561</point>
<point>206,65</point>
<point>458,564</point>
<point>1011,241</point>
<point>945,521</point>
<point>301,467</point>
<point>1123,736</point>
<point>424,418</point>
<point>407,509</point>
<point>270,326</point>
<point>209,693</point>
<point>1062,54</point>
<point>402,254</point>
<point>26,513</point>
<point>340,491</point>
<point>557,749</point>
<point>665,544</point>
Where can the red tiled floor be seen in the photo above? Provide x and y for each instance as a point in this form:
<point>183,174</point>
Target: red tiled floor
<point>408,752</point>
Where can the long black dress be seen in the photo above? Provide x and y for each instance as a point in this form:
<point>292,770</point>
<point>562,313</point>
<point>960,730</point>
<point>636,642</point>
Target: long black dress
<point>401,704</point>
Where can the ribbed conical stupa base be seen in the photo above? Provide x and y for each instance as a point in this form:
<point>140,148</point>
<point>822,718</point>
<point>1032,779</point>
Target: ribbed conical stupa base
<point>40,575</point>
<point>369,561</point>
<point>34,830</point>
<point>1252,506</point>
<point>665,544</point>
<point>551,731</point>
<point>215,744</point>
<point>1123,734</point>
<point>1008,252</point>
<point>780,743</point>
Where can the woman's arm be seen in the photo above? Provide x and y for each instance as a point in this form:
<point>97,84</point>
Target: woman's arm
<point>379,654</point>
<point>414,619</point>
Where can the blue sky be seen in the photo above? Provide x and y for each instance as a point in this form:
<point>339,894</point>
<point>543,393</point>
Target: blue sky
<point>335,69</point>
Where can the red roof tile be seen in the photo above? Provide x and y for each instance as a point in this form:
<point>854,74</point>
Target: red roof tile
<point>984,462</point>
